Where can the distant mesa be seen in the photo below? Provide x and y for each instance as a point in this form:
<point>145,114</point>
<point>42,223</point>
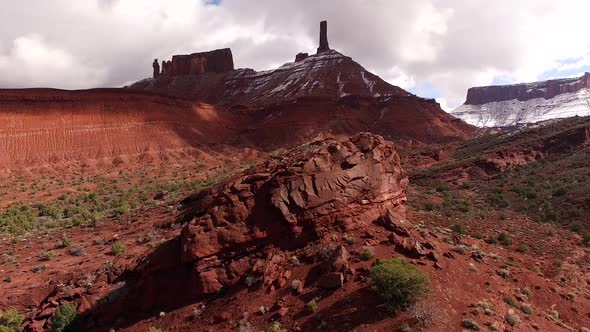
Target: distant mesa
<point>519,104</point>
<point>526,91</point>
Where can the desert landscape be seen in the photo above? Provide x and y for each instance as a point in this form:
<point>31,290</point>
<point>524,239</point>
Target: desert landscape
<point>315,196</point>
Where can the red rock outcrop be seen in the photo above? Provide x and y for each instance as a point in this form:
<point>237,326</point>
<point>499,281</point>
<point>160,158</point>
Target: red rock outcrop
<point>244,227</point>
<point>526,91</point>
<point>217,61</point>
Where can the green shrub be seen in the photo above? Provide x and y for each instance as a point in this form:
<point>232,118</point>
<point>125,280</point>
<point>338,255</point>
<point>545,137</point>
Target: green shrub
<point>504,239</point>
<point>428,206</point>
<point>117,248</point>
<point>18,219</point>
<point>491,240</point>
<point>526,309</point>
<point>458,229</point>
<point>498,199</point>
<point>65,242</point>
<point>312,306</point>
<point>511,301</point>
<point>577,228</point>
<point>398,282</point>
<point>64,319</point>
<point>551,215</point>
<point>11,321</point>
<point>466,185</point>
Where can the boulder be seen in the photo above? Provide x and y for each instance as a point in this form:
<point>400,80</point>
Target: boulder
<point>337,262</point>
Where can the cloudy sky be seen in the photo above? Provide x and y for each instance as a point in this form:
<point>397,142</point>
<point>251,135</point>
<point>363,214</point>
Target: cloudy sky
<point>434,48</point>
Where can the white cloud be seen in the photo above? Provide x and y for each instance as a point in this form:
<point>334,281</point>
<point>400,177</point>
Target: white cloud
<point>31,62</point>
<point>449,45</point>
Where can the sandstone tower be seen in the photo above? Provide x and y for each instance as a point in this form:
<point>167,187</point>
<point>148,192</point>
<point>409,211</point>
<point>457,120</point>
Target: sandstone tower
<point>324,46</point>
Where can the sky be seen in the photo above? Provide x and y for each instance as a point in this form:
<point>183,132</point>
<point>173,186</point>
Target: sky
<point>433,48</point>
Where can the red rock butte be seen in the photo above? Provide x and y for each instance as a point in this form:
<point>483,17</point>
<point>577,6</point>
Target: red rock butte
<point>217,61</point>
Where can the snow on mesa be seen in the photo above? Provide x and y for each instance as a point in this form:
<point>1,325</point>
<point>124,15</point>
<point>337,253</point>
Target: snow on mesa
<point>514,112</point>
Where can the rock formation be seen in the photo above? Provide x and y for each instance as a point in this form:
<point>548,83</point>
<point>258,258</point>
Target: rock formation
<point>165,68</point>
<point>301,56</point>
<point>309,193</point>
<point>324,46</point>
<point>510,105</point>
<point>156,66</point>
<point>217,61</point>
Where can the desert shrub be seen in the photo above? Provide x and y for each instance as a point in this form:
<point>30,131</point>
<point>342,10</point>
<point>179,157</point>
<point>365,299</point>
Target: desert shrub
<point>523,248</point>
<point>560,192</point>
<point>526,309</point>
<point>512,318</point>
<point>46,256</point>
<point>586,239</point>
<point>511,301</point>
<point>428,206</point>
<point>466,185</point>
<point>76,251</point>
<point>576,228</point>
<point>65,242</point>
<point>442,187</point>
<point>504,239</point>
<point>550,216</point>
<point>525,193</point>
<point>458,229</point>
<point>154,329</point>
<point>398,282</point>
<point>497,198</point>
<point>11,321</point>
<point>470,325</point>
<point>294,260</point>
<point>275,327</point>
<point>17,219</point>
<point>367,253</point>
<point>312,306</point>
<point>423,313</point>
<point>64,319</point>
<point>117,248</point>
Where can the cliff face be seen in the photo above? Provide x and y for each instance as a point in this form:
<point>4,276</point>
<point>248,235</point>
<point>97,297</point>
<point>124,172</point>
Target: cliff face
<point>526,91</point>
<point>511,105</point>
